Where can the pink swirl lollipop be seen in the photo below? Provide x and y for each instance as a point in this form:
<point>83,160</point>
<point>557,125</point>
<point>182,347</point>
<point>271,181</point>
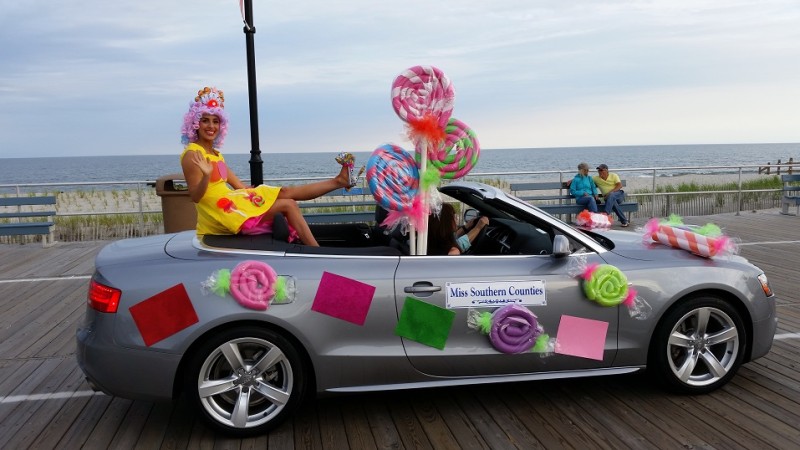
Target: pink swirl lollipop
<point>459,154</point>
<point>393,177</point>
<point>423,91</point>
<point>253,284</point>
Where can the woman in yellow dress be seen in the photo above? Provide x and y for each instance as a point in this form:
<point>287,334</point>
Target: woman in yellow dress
<point>224,204</point>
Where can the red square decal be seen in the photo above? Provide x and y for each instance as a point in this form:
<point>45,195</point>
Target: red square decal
<point>164,314</point>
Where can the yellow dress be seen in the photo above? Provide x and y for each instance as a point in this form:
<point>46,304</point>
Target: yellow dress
<point>223,210</point>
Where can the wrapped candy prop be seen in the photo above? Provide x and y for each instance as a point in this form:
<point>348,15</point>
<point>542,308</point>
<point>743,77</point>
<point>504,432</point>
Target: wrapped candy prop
<point>707,241</point>
<point>589,219</point>
<point>253,284</point>
<point>608,286</point>
<point>511,329</point>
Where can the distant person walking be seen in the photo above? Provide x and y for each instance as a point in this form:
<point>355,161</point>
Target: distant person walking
<point>613,195</point>
<point>583,188</point>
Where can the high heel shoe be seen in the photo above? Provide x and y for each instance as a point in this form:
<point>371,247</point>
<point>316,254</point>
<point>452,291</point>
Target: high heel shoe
<point>348,160</point>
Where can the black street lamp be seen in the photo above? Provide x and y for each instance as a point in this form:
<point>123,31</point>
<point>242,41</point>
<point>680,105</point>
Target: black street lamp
<point>256,164</point>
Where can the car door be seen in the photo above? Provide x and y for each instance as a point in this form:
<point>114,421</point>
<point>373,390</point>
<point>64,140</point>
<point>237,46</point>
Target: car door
<point>468,352</point>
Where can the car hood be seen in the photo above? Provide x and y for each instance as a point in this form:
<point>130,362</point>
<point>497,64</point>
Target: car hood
<point>633,245</point>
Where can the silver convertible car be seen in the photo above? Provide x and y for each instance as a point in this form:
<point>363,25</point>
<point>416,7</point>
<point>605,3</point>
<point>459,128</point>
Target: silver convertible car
<point>246,327</point>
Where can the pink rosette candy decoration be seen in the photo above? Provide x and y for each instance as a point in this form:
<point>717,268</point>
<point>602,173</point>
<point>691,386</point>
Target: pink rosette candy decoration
<point>423,93</point>
<point>514,329</point>
<point>253,284</point>
<point>458,155</point>
<point>393,177</point>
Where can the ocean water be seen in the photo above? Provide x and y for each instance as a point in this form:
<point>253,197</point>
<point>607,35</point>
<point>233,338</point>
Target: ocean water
<point>298,165</point>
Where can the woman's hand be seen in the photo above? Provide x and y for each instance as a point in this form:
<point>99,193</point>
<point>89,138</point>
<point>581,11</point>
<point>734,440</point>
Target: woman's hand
<point>204,164</point>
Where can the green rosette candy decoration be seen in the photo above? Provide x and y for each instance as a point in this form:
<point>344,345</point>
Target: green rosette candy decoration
<point>605,284</point>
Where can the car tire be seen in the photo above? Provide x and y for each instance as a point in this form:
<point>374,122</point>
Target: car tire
<point>698,346</point>
<point>246,380</point>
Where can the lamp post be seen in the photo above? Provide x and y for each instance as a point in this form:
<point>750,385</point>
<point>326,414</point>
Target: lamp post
<point>256,163</point>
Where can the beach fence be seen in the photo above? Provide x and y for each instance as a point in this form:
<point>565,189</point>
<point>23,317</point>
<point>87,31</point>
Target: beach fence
<point>126,209</point>
<point>788,167</point>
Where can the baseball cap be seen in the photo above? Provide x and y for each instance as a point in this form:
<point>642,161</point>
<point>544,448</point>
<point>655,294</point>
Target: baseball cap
<point>602,167</point>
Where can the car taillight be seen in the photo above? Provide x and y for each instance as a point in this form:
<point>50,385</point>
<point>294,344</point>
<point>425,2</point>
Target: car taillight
<point>103,298</point>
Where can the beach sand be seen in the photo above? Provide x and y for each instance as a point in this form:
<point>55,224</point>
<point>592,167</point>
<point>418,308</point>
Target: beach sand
<point>640,183</point>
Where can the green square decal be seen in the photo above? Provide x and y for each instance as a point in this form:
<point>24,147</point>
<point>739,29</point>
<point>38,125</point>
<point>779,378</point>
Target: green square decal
<point>425,323</point>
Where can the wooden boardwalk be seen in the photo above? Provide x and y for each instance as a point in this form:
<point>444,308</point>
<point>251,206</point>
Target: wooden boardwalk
<point>45,403</point>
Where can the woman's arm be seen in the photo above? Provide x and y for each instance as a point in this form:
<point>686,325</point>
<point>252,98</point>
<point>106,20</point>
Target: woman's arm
<point>234,181</point>
<point>476,229</point>
<point>196,171</point>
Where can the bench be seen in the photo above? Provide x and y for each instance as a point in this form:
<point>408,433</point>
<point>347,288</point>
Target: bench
<point>791,193</point>
<point>21,223</point>
<point>362,210</point>
<point>557,204</point>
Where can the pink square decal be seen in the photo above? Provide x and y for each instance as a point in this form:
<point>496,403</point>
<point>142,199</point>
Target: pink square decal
<point>343,298</point>
<point>584,338</point>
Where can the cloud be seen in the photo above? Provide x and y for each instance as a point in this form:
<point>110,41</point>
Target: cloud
<point>90,77</point>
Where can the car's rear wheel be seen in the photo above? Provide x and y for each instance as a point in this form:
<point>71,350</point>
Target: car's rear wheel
<point>246,380</point>
<point>698,346</point>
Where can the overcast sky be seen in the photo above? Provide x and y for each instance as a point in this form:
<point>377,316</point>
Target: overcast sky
<point>92,77</point>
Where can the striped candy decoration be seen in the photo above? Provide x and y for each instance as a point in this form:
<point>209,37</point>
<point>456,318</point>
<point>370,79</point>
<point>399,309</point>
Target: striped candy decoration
<point>422,91</point>
<point>393,177</point>
<point>686,239</point>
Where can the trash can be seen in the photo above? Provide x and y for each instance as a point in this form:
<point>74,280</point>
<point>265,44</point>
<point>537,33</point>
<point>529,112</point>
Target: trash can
<point>176,205</point>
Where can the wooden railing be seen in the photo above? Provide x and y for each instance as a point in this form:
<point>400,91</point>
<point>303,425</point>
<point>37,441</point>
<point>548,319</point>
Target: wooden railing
<point>768,169</point>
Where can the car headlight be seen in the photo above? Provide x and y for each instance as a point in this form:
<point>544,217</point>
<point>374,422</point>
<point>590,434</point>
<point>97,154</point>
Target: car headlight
<point>765,285</point>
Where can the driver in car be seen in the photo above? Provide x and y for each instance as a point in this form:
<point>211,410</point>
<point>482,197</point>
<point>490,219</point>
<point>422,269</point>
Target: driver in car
<point>445,237</point>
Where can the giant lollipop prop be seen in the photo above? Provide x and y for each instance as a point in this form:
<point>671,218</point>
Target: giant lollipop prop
<point>423,97</point>
<point>393,179</point>
<point>423,93</point>
<point>458,155</point>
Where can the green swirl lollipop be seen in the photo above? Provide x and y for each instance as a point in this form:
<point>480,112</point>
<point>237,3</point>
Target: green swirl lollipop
<point>607,286</point>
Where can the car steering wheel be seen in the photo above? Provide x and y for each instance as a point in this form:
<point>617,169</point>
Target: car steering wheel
<point>481,237</point>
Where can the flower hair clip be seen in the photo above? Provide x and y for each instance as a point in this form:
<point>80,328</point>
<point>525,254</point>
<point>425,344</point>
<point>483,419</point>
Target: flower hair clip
<point>211,97</point>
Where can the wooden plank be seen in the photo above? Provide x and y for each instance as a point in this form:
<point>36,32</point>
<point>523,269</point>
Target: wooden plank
<point>356,424</point>
<point>82,426</point>
<point>109,423</point>
<point>28,418</point>
<point>331,424</point>
<point>465,432</point>
<point>25,201</point>
<point>306,428</point>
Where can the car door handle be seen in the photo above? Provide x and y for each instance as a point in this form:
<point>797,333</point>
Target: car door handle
<point>421,289</point>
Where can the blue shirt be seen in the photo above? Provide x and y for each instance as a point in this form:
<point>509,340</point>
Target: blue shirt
<point>582,184</point>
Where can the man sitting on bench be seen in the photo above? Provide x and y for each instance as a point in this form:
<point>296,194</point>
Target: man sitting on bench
<point>613,195</point>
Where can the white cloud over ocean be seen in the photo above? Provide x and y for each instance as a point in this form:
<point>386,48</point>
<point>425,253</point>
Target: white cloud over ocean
<point>87,77</point>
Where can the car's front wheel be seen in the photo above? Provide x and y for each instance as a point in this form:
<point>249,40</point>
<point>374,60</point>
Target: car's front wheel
<point>698,346</point>
<point>246,380</point>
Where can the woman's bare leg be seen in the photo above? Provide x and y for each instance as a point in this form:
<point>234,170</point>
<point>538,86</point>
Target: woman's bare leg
<point>313,190</point>
<point>290,210</point>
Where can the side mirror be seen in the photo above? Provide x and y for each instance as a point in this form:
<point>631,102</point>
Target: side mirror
<point>470,214</point>
<point>560,246</point>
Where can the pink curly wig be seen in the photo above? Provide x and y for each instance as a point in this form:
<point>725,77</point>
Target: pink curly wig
<point>208,101</point>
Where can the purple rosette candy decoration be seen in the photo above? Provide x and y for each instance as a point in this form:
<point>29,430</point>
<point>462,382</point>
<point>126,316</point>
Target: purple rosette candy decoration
<point>514,329</point>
